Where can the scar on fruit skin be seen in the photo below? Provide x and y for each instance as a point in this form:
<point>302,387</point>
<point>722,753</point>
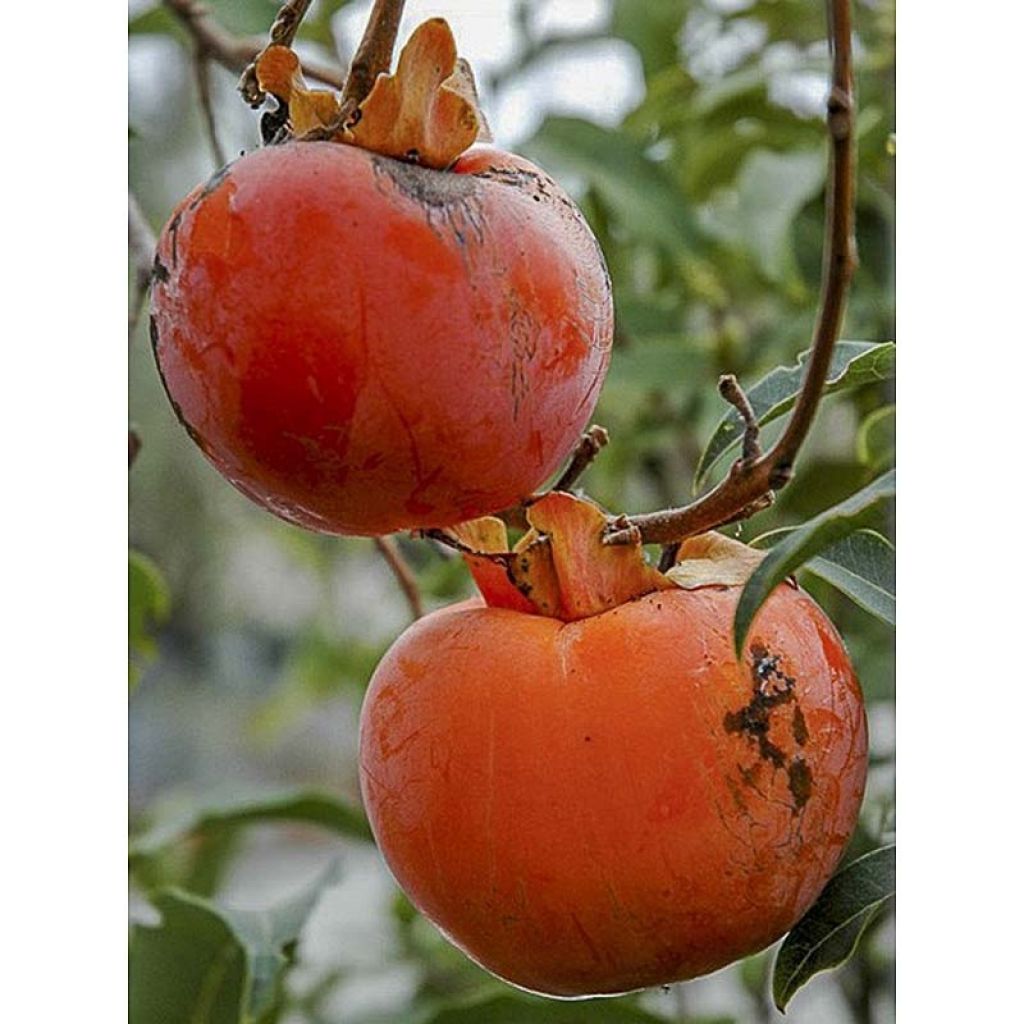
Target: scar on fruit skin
<point>771,689</point>
<point>455,197</point>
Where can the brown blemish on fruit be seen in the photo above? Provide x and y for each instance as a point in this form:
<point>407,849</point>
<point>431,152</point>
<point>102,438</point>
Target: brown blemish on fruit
<point>799,783</point>
<point>799,726</point>
<point>172,230</point>
<point>772,689</point>
<point>215,181</point>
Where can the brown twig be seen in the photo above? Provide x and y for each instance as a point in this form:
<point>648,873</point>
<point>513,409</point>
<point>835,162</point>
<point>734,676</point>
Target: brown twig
<point>142,248</point>
<point>282,33</point>
<point>750,483</point>
<point>202,69</point>
<point>403,573</point>
<point>373,55</point>
<point>729,388</point>
<point>233,52</point>
<point>592,441</point>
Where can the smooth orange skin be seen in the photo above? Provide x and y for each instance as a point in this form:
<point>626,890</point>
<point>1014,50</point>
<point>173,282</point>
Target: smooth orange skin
<point>364,346</point>
<point>574,807</point>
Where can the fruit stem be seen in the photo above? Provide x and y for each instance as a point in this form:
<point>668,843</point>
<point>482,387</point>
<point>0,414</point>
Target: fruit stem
<point>373,55</point>
<point>751,481</point>
<point>590,443</point>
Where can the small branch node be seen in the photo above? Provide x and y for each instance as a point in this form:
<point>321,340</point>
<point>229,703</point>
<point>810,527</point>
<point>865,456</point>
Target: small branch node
<point>587,448</point>
<point>621,531</point>
<point>729,388</point>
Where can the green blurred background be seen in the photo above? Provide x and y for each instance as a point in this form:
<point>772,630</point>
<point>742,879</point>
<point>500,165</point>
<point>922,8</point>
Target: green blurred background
<point>691,134</point>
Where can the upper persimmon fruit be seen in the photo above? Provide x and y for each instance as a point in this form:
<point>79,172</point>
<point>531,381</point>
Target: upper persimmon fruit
<point>363,344</point>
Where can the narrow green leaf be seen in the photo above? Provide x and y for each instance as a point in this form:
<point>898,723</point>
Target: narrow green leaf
<point>189,968</point>
<point>211,965</point>
<point>149,603</point>
<point>802,544</point>
<point>757,214</point>
<point>862,566</point>
<point>237,809</point>
<point>653,28</point>
<point>826,936</point>
<point>269,937</point>
<point>643,198</point>
<point>876,439</point>
<point>854,363</point>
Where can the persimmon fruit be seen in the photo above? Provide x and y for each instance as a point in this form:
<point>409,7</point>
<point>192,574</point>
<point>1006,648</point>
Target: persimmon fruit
<point>609,800</point>
<point>363,345</point>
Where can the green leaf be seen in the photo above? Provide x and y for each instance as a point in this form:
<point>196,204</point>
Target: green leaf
<point>235,809</point>
<point>802,544</point>
<point>653,28</point>
<point>876,439</point>
<point>269,938</point>
<point>757,214</point>
<point>149,604</point>
<point>854,363</point>
<point>204,964</point>
<point>525,1009</point>
<point>826,936</point>
<point>862,566</point>
<point>642,197</point>
<point>663,364</point>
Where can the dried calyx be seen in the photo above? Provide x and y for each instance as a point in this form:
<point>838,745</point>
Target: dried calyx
<point>562,568</point>
<point>427,112</point>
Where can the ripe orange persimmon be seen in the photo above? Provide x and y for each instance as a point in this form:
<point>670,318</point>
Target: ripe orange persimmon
<point>612,802</point>
<point>363,345</point>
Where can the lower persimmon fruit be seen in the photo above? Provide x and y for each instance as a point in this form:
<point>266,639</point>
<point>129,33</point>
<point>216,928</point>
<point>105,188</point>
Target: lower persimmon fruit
<point>613,802</point>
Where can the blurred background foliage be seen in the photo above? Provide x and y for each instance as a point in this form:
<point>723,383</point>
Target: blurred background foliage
<point>691,133</point>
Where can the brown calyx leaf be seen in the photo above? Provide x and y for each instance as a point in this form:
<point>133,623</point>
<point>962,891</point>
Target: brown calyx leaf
<point>484,546</point>
<point>712,559</point>
<point>592,576</point>
<point>560,568</point>
<point>279,73</point>
<point>426,112</point>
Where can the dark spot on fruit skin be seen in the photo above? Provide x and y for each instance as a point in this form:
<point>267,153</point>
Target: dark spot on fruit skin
<point>452,199</point>
<point>772,689</point>
<point>586,739</point>
<point>216,180</point>
<point>172,230</point>
<point>799,726</point>
<point>799,783</point>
